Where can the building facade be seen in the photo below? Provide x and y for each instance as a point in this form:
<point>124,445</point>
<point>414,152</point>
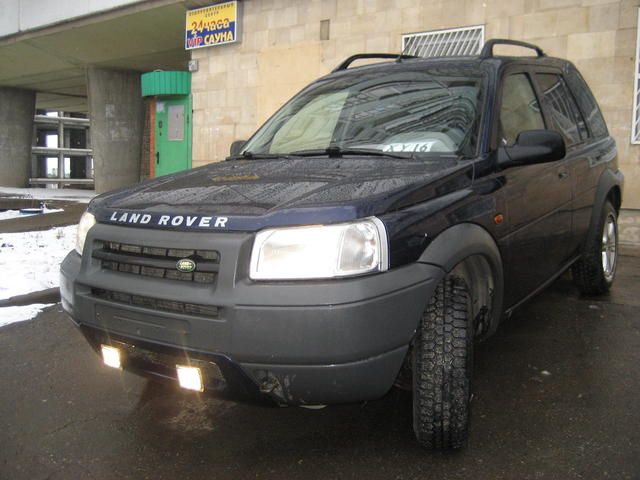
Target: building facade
<point>285,45</point>
<point>88,56</point>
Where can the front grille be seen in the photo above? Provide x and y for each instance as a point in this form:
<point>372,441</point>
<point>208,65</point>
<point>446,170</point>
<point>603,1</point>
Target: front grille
<point>156,303</point>
<point>157,262</point>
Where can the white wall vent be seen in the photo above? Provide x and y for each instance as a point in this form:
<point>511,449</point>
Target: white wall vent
<point>635,126</point>
<point>445,43</point>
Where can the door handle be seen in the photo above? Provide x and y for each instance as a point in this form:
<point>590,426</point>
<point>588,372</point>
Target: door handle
<point>563,174</point>
<point>157,158</point>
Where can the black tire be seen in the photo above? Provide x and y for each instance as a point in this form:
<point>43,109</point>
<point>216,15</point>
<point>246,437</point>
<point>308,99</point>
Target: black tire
<point>442,365</point>
<point>589,272</point>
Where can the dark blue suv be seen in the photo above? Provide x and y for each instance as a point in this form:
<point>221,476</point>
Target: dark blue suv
<point>380,223</point>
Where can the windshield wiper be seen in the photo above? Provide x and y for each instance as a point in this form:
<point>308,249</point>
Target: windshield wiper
<point>247,155</point>
<point>337,152</point>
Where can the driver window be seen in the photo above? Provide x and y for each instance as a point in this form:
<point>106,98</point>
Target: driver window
<point>520,110</point>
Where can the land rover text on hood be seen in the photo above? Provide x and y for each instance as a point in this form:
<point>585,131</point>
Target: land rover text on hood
<point>368,234</point>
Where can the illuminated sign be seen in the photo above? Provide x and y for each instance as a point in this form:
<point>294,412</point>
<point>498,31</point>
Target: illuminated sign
<point>214,25</point>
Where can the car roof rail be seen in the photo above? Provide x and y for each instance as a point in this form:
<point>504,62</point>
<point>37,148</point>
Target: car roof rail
<point>487,49</point>
<point>358,56</point>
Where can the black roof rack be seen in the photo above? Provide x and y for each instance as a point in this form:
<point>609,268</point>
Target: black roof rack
<point>358,56</point>
<point>487,49</point>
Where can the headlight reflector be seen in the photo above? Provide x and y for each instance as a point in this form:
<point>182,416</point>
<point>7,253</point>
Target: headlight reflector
<point>320,251</point>
<point>86,222</point>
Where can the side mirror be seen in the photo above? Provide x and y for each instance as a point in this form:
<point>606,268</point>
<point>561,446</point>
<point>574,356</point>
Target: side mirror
<point>532,147</point>
<point>236,147</point>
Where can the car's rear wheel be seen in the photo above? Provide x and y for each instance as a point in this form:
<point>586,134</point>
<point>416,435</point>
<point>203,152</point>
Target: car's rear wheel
<point>442,364</point>
<point>594,273</point>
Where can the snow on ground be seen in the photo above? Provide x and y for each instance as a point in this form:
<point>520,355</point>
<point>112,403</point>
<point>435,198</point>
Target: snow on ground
<point>7,214</point>
<point>30,261</point>
<point>20,314</point>
<point>75,194</point>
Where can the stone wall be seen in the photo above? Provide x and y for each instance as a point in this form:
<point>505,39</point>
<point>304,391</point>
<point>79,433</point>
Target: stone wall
<point>239,86</point>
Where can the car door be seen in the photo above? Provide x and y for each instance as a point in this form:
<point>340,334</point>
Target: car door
<point>597,154</point>
<point>538,197</point>
<point>565,117</point>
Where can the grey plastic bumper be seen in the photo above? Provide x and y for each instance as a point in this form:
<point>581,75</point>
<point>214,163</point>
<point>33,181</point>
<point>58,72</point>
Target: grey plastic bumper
<point>322,341</point>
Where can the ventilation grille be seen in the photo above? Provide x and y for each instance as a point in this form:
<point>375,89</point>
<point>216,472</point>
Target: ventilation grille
<point>445,43</point>
<point>156,303</point>
<point>158,262</point>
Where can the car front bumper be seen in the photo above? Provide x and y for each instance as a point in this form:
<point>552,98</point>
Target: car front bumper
<point>314,342</point>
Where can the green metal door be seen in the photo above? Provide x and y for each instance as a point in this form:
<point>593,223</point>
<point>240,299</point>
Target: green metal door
<point>173,134</point>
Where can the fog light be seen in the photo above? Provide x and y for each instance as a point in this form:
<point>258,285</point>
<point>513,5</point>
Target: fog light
<point>190,378</point>
<point>111,356</point>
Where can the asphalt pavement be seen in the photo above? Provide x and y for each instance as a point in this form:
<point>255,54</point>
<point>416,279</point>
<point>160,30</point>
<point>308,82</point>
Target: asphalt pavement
<point>557,394</point>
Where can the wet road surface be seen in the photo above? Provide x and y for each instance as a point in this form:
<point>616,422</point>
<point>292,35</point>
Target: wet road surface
<point>557,396</point>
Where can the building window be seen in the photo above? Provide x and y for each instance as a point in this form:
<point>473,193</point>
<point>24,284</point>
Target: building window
<point>635,127</point>
<point>444,43</point>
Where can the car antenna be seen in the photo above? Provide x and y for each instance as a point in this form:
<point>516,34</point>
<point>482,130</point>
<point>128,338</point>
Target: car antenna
<point>403,55</point>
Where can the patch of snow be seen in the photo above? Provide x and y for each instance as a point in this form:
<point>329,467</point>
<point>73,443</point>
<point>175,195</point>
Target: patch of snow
<point>30,261</point>
<point>20,314</point>
<point>76,194</point>
<point>7,214</point>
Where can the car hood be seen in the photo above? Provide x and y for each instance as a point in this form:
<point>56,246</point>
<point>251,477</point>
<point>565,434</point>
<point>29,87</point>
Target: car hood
<point>288,191</point>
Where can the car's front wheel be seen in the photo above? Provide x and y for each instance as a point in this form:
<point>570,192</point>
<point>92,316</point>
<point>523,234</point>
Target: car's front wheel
<point>442,364</point>
<point>594,273</point>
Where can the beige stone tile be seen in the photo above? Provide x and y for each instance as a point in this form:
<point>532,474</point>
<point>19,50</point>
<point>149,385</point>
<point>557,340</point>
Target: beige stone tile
<point>348,46</point>
<point>383,22</point>
<point>303,12</point>
<point>475,12</point>
<point>572,20</point>
<point>497,28</point>
<point>591,45</point>
<point>628,17</point>
<point>312,31</point>
<point>531,6</point>
<point>378,42</point>
<point>399,4</point>
<point>613,96</point>
<point>286,17</point>
<point>261,39</point>
<point>452,14</point>
<point>604,17</point>
<point>632,177</point>
<point>416,19</point>
<point>328,55</point>
<point>516,27</point>
<point>588,3</point>
<point>553,4</point>
<point>625,43</point>
<point>540,25</point>
<point>329,8</point>
<point>501,8</point>
<point>298,34</point>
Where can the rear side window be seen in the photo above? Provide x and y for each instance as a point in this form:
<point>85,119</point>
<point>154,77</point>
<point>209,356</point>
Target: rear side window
<point>519,110</point>
<point>566,117</point>
<point>587,103</point>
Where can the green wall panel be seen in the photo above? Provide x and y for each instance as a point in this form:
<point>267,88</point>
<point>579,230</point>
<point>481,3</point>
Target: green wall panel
<point>166,83</point>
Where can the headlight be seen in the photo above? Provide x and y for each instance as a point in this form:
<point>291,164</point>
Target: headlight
<point>320,251</point>
<point>86,222</point>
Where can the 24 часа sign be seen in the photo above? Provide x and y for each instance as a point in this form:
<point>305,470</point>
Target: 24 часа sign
<point>214,25</point>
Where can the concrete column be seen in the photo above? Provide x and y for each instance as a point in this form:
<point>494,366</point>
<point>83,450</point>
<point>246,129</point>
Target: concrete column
<point>17,108</point>
<point>116,112</point>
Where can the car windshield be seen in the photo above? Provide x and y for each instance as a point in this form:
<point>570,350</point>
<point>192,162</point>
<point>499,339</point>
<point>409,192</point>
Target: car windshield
<point>411,113</point>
